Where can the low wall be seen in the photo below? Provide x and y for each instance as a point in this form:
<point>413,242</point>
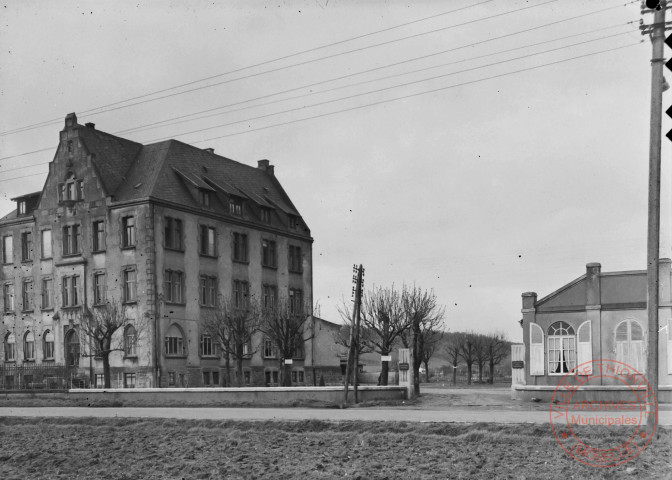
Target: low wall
<point>595,393</point>
<point>223,397</point>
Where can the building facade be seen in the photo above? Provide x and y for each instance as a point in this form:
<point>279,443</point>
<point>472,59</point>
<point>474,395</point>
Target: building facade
<point>598,316</point>
<point>165,230</point>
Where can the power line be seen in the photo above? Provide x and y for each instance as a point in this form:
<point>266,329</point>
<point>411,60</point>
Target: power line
<point>418,94</point>
<point>355,74</point>
<point>397,98</point>
<point>383,89</point>
<point>185,119</point>
<point>49,122</point>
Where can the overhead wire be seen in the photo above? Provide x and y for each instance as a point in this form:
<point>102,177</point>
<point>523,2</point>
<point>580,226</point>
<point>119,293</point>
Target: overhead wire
<point>184,118</point>
<point>99,110</point>
<point>469,82</point>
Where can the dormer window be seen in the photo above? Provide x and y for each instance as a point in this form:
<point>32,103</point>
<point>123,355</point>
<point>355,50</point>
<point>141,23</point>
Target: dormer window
<point>293,222</point>
<point>265,215</point>
<point>236,206</point>
<point>204,198</point>
<point>22,207</point>
<point>72,189</point>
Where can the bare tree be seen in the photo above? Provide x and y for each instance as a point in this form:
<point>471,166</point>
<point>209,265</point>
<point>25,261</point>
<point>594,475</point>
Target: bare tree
<point>232,328</point>
<point>287,326</point>
<point>497,349</point>
<point>383,314</point>
<point>424,314</point>
<point>481,353</point>
<point>100,327</point>
<point>468,349</point>
<point>431,340</point>
<point>365,341</point>
<point>453,347</point>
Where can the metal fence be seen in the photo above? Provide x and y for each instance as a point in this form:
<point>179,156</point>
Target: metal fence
<point>33,377</point>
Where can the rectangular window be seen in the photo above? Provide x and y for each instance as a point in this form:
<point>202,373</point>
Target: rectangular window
<point>99,287</point>
<point>265,215</point>
<point>80,189</point>
<point>208,347</point>
<point>293,222</point>
<point>7,249</point>
<point>130,285</point>
<point>71,240</point>
<point>173,233</point>
<point>48,348</point>
<point>173,290</point>
<point>61,192</point>
<point>268,256</point>
<point>70,291</point>
<point>46,244</point>
<point>241,294</point>
<point>27,295</point>
<point>269,351</point>
<point>128,232</point>
<point>204,197</point>
<point>70,190</point>
<point>129,380</point>
<point>208,241</point>
<point>208,291</point>
<point>295,301</point>
<point>270,293</point>
<point>8,297</point>
<point>206,378</point>
<point>247,377</point>
<point>236,206</point>
<point>240,247</point>
<point>22,207</point>
<point>171,379</point>
<point>100,380</point>
<point>26,246</point>
<point>301,379</point>
<point>215,378</point>
<point>47,293</point>
<point>98,236</point>
<point>295,259</point>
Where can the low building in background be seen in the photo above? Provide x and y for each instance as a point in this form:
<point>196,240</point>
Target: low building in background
<point>598,316</point>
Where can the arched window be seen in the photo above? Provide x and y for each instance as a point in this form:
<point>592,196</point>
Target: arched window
<point>72,349</point>
<point>10,348</point>
<point>48,345</point>
<point>174,341</point>
<point>130,341</point>
<point>561,348</point>
<point>630,345</point>
<point>29,346</point>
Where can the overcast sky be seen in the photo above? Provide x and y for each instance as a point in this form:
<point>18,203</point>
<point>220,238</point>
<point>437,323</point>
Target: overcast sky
<point>481,178</point>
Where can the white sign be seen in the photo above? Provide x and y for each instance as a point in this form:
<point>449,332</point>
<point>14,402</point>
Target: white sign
<point>386,358</point>
<point>289,361</point>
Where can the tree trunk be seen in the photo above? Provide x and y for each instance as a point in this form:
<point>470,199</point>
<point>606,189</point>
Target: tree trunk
<point>426,362</point>
<point>492,372</point>
<point>228,370</point>
<point>417,358</point>
<point>384,369</point>
<point>469,365</point>
<point>480,372</point>
<point>106,369</point>
<point>239,371</point>
<point>287,374</point>
<point>454,373</point>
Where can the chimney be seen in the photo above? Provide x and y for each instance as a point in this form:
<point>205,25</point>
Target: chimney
<point>70,120</point>
<point>266,166</point>
<point>593,293</point>
<point>92,126</point>
<point>209,150</point>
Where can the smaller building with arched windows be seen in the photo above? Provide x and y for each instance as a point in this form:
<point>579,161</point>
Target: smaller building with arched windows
<point>598,316</point>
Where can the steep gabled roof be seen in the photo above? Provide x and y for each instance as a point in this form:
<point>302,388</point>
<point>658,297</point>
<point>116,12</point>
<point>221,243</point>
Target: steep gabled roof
<point>113,156</point>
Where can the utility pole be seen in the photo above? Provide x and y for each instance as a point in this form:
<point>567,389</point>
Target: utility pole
<point>657,33</point>
<point>353,349</point>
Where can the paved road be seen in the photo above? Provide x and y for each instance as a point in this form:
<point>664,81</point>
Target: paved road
<point>357,414</point>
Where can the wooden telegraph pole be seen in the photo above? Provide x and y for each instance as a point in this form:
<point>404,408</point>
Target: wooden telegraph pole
<point>353,352</point>
<point>657,33</point>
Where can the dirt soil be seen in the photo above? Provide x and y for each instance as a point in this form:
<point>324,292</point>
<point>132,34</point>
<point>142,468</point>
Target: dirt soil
<point>56,448</point>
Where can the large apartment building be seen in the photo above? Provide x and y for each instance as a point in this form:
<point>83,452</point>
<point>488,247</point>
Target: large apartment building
<point>164,229</point>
